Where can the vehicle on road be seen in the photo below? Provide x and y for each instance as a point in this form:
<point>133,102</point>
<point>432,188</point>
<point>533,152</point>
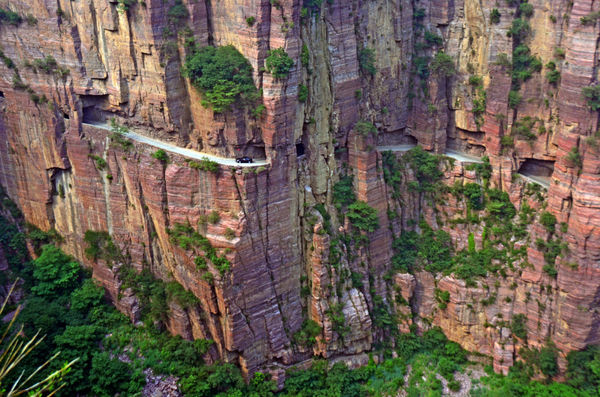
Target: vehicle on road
<point>244,159</point>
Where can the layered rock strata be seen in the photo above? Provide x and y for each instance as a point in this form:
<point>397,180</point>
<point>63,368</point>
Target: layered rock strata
<point>123,60</point>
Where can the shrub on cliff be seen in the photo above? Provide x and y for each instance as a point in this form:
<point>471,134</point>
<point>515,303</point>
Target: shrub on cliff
<point>474,195</point>
<point>278,63</point>
<point>574,157</point>
<point>526,9</point>
<point>307,335</point>
<point>343,191</point>
<point>363,216</point>
<point>548,220</point>
<point>443,64</point>
<point>161,156</point>
<point>524,65</point>
<point>592,96</point>
<point>205,164</point>
<point>54,272</point>
<point>10,17</point>
<point>519,29</point>
<point>366,61</point>
<point>100,246</point>
<point>426,169</point>
<point>514,99</point>
<point>582,369</point>
<point>495,16</point>
<point>518,326</point>
<point>222,75</point>
<point>365,128</point>
<point>177,13</point>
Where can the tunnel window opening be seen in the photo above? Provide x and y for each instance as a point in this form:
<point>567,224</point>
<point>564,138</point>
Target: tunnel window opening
<point>92,106</point>
<point>66,116</point>
<point>1,94</point>
<point>540,168</point>
<point>410,140</point>
<point>300,149</point>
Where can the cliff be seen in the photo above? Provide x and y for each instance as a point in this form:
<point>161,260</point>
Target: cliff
<point>463,78</point>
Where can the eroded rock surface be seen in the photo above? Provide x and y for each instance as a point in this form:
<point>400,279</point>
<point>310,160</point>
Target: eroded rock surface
<point>289,261</point>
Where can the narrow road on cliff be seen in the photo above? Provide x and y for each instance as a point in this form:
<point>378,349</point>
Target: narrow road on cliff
<point>467,158</point>
<point>134,136</point>
<point>460,156</point>
<point>540,180</point>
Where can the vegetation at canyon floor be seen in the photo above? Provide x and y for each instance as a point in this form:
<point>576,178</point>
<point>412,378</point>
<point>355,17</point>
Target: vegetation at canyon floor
<point>115,357</point>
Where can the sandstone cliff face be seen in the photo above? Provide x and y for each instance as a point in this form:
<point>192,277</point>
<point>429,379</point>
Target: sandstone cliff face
<point>125,63</point>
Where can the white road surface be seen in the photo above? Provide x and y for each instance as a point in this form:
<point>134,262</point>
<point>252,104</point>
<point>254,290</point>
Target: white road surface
<point>540,180</point>
<point>464,157</point>
<point>169,147</point>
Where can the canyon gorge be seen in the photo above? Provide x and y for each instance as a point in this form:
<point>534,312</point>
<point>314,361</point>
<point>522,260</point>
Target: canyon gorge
<point>418,163</point>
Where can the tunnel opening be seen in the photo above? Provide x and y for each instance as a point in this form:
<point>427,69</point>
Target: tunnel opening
<point>300,151</point>
<point>1,94</point>
<point>409,140</point>
<point>66,116</point>
<point>92,108</point>
<point>398,137</point>
<point>539,168</point>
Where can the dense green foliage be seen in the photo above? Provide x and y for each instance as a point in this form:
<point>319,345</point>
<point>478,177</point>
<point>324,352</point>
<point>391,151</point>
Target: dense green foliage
<point>278,63</point>
<point>495,16</point>
<point>392,172</point>
<point>302,93</point>
<point>592,96</point>
<point>366,61</point>
<point>583,369</point>
<point>365,128</point>
<point>363,216</point>
<point>161,156</point>
<point>343,191</point>
<point>10,17</point>
<point>524,64</point>
<point>443,64</point>
<point>429,249</point>
<point>205,164</point>
<point>426,168</point>
<point>222,75</point>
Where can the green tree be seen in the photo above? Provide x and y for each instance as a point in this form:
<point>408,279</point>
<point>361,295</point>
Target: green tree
<point>592,96</point>
<point>161,156</point>
<point>363,216</point>
<point>86,297</point>
<point>443,64</point>
<point>343,191</point>
<point>548,220</point>
<point>366,61</point>
<point>110,377</point>
<point>55,273</point>
<point>222,75</point>
<point>278,63</point>
<point>79,341</point>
